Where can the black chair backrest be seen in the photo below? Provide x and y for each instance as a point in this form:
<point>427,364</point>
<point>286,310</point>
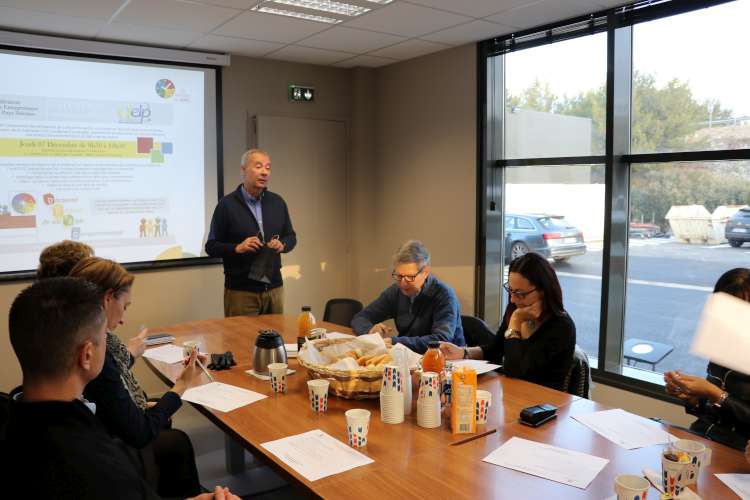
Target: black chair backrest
<point>476,331</point>
<point>578,379</point>
<point>341,311</point>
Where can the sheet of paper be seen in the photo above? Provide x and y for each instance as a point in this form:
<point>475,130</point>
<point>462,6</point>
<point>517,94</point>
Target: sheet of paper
<point>291,350</point>
<point>315,454</point>
<point>480,366</point>
<point>625,429</point>
<point>739,483</point>
<point>221,397</point>
<point>168,353</point>
<point>722,334</point>
<point>547,461</point>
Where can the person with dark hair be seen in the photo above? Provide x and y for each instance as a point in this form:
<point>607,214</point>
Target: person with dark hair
<point>55,446</point>
<point>537,337</point>
<point>721,401</point>
<point>58,259</point>
<point>166,454</point>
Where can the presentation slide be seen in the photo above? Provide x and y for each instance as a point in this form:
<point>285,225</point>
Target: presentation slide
<point>119,155</point>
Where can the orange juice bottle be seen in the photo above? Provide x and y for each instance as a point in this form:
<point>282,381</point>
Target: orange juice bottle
<point>433,360</point>
<point>305,323</point>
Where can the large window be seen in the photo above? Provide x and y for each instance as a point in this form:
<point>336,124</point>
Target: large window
<point>628,130</point>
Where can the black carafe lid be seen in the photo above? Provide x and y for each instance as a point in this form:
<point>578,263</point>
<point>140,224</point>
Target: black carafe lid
<point>269,339</point>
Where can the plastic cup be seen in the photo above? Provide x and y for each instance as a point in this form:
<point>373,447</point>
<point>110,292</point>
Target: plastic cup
<point>484,401</point>
<point>699,455</point>
<point>189,346</point>
<point>631,487</point>
<point>318,392</point>
<point>278,376</point>
<point>357,427</point>
<point>674,474</point>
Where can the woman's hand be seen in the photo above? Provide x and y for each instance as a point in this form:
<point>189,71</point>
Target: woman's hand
<point>451,351</point>
<point>137,345</point>
<point>191,374</point>
<point>690,387</point>
<point>523,314</point>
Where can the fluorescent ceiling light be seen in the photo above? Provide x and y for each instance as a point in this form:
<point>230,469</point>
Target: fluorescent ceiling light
<point>329,6</point>
<point>298,15</point>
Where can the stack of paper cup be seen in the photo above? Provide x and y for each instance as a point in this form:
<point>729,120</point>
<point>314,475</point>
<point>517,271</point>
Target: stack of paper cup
<point>484,401</point>
<point>357,427</point>
<point>278,376</point>
<point>318,391</point>
<point>392,396</point>
<point>428,402</point>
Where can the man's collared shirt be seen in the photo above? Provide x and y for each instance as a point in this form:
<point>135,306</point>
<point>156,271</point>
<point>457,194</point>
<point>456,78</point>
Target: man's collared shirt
<point>253,204</point>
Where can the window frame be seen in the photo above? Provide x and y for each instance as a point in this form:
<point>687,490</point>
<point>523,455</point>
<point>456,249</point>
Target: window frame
<point>617,161</point>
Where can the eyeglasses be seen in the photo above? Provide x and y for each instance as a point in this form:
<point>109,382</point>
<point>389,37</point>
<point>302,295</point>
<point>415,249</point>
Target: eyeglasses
<point>408,277</point>
<point>517,293</point>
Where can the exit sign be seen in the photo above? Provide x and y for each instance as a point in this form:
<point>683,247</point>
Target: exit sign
<point>298,93</point>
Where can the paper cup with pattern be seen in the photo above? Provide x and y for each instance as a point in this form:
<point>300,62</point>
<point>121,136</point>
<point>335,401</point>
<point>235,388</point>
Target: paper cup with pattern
<point>318,392</point>
<point>357,427</point>
<point>484,401</point>
<point>392,382</point>
<point>278,376</point>
<point>674,474</point>
<point>631,487</point>
<point>699,455</point>
<point>189,346</point>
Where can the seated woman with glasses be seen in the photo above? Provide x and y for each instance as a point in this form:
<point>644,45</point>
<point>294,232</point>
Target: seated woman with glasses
<point>537,337</point>
<point>721,401</point>
<point>424,308</point>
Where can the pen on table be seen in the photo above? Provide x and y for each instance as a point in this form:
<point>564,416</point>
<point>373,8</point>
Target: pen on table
<point>197,360</point>
<point>476,436</point>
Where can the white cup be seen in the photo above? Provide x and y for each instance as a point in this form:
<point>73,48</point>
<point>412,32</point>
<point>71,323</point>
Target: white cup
<point>392,380</point>
<point>674,475</point>
<point>631,487</point>
<point>391,407</point>
<point>429,386</point>
<point>278,376</point>
<point>189,346</point>
<point>357,427</point>
<point>484,401</point>
<point>318,392</point>
<point>699,454</point>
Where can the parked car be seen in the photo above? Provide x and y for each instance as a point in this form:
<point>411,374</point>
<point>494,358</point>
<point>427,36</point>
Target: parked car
<point>644,230</point>
<point>737,230</point>
<point>548,235</point>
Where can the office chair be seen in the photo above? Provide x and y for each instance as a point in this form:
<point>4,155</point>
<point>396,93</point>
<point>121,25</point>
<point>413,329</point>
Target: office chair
<point>341,311</point>
<point>476,331</point>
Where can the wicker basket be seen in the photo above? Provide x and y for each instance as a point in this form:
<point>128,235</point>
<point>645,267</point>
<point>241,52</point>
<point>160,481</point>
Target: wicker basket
<point>348,384</point>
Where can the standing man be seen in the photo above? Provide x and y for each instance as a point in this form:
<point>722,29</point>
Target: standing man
<point>250,228</point>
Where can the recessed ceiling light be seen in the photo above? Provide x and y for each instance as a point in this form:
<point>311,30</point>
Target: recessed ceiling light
<point>298,15</point>
<point>329,6</point>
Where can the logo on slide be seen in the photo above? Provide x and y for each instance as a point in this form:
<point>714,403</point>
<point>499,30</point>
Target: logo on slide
<point>23,203</point>
<point>165,88</point>
<point>134,113</point>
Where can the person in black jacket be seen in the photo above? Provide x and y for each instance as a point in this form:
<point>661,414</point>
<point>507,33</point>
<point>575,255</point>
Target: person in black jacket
<point>721,401</point>
<point>250,227</point>
<point>537,337</point>
<point>55,445</point>
<point>167,454</point>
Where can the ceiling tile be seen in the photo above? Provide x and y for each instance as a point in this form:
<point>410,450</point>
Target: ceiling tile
<point>409,49</point>
<point>99,9</point>
<point>541,13</point>
<point>307,55</point>
<point>235,4</point>
<point>350,40</point>
<point>406,19</point>
<point>233,45</point>
<point>175,14</point>
<point>364,61</point>
<point>146,34</point>
<point>270,27</point>
<point>469,32</point>
<point>474,8</point>
<point>42,22</point>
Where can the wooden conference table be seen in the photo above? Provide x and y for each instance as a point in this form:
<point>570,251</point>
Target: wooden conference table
<point>410,461</point>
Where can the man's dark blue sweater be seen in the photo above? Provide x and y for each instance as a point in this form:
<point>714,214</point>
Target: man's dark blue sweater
<point>434,315</point>
<point>233,222</point>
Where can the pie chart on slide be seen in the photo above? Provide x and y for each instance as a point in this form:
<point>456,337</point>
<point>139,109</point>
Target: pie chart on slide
<point>165,88</point>
<point>23,203</point>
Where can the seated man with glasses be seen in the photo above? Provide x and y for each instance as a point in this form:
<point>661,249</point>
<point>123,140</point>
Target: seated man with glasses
<point>424,308</point>
<point>537,337</point>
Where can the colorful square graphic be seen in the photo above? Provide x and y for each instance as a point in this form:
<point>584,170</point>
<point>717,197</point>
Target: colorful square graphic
<point>166,148</point>
<point>145,145</point>
<point>156,156</point>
